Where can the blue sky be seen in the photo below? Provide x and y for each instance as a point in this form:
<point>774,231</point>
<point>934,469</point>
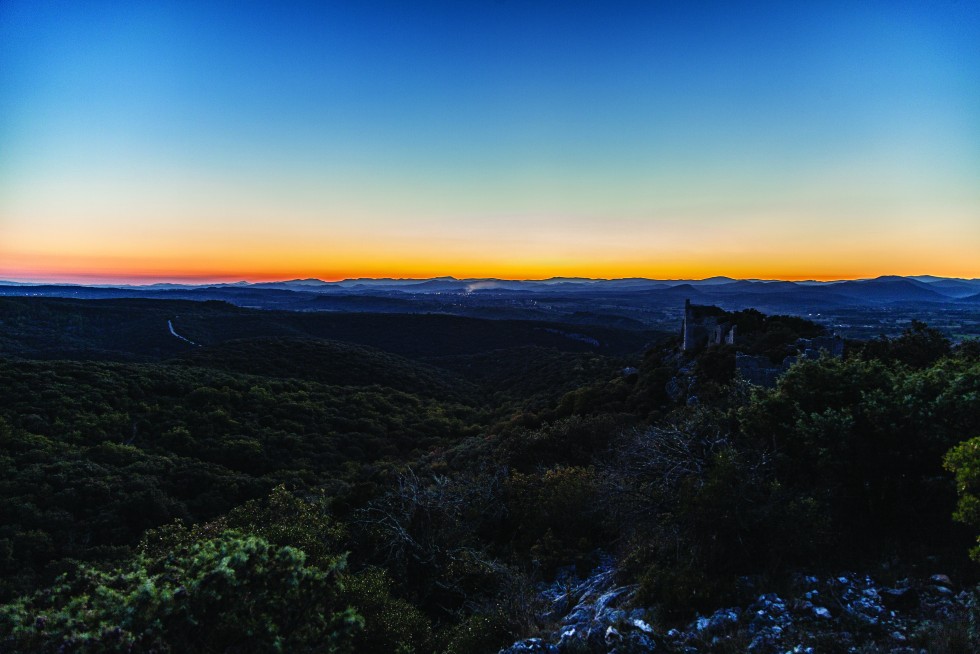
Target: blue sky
<point>488,137</point>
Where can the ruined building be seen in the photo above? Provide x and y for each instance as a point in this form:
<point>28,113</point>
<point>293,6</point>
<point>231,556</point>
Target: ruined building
<point>709,325</point>
<point>705,325</point>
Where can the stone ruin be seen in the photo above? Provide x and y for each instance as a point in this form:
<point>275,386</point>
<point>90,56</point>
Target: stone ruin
<point>708,325</point>
<point>705,325</point>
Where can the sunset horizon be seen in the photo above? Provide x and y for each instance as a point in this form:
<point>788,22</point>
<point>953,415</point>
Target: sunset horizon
<point>490,140</point>
<point>97,279</point>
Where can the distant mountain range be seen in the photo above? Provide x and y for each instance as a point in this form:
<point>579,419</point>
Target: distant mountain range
<point>449,294</point>
<point>887,286</point>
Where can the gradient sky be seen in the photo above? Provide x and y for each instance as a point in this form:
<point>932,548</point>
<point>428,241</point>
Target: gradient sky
<point>143,141</point>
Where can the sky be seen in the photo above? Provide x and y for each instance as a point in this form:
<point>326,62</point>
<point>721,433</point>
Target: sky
<point>219,141</point>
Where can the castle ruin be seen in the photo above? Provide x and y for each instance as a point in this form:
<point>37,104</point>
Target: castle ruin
<point>710,325</point>
<point>705,325</point>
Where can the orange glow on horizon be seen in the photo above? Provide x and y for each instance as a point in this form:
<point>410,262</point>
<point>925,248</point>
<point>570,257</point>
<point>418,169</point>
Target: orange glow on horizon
<point>246,257</point>
<point>161,273</point>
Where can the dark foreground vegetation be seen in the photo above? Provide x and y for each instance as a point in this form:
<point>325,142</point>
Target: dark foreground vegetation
<point>374,483</point>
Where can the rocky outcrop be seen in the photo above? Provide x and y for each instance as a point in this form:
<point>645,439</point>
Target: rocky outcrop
<point>590,615</point>
<point>851,611</point>
<point>846,613</point>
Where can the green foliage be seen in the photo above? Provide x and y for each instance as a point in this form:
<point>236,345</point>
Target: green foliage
<point>556,515</point>
<point>95,453</point>
<point>867,442</point>
<point>919,346</point>
<point>226,593</point>
<point>572,441</point>
<point>330,362</point>
<point>148,485</point>
<point>476,634</point>
<point>702,509</point>
<point>429,533</point>
<point>530,378</point>
<point>840,447</point>
<point>716,365</point>
<point>282,519</point>
<point>964,462</point>
<point>285,519</point>
<point>391,624</point>
<point>136,330</point>
<point>968,350</point>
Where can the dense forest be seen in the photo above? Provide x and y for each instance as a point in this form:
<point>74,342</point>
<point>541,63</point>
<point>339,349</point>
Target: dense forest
<point>426,483</point>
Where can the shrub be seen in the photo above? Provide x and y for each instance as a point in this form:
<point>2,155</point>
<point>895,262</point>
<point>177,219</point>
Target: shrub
<point>227,593</point>
<point>964,462</point>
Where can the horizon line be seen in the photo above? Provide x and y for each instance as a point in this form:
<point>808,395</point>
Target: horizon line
<point>195,280</point>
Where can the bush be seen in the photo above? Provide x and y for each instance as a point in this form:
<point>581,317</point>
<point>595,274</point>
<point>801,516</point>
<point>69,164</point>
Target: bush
<point>391,625</point>
<point>476,634</point>
<point>964,462</point>
<point>226,593</point>
<point>556,515</point>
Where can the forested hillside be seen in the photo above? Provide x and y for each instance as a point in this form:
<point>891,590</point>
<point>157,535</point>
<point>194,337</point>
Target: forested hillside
<point>436,484</point>
<point>138,330</point>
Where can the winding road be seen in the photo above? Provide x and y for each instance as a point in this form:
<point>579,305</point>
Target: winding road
<point>170,325</point>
